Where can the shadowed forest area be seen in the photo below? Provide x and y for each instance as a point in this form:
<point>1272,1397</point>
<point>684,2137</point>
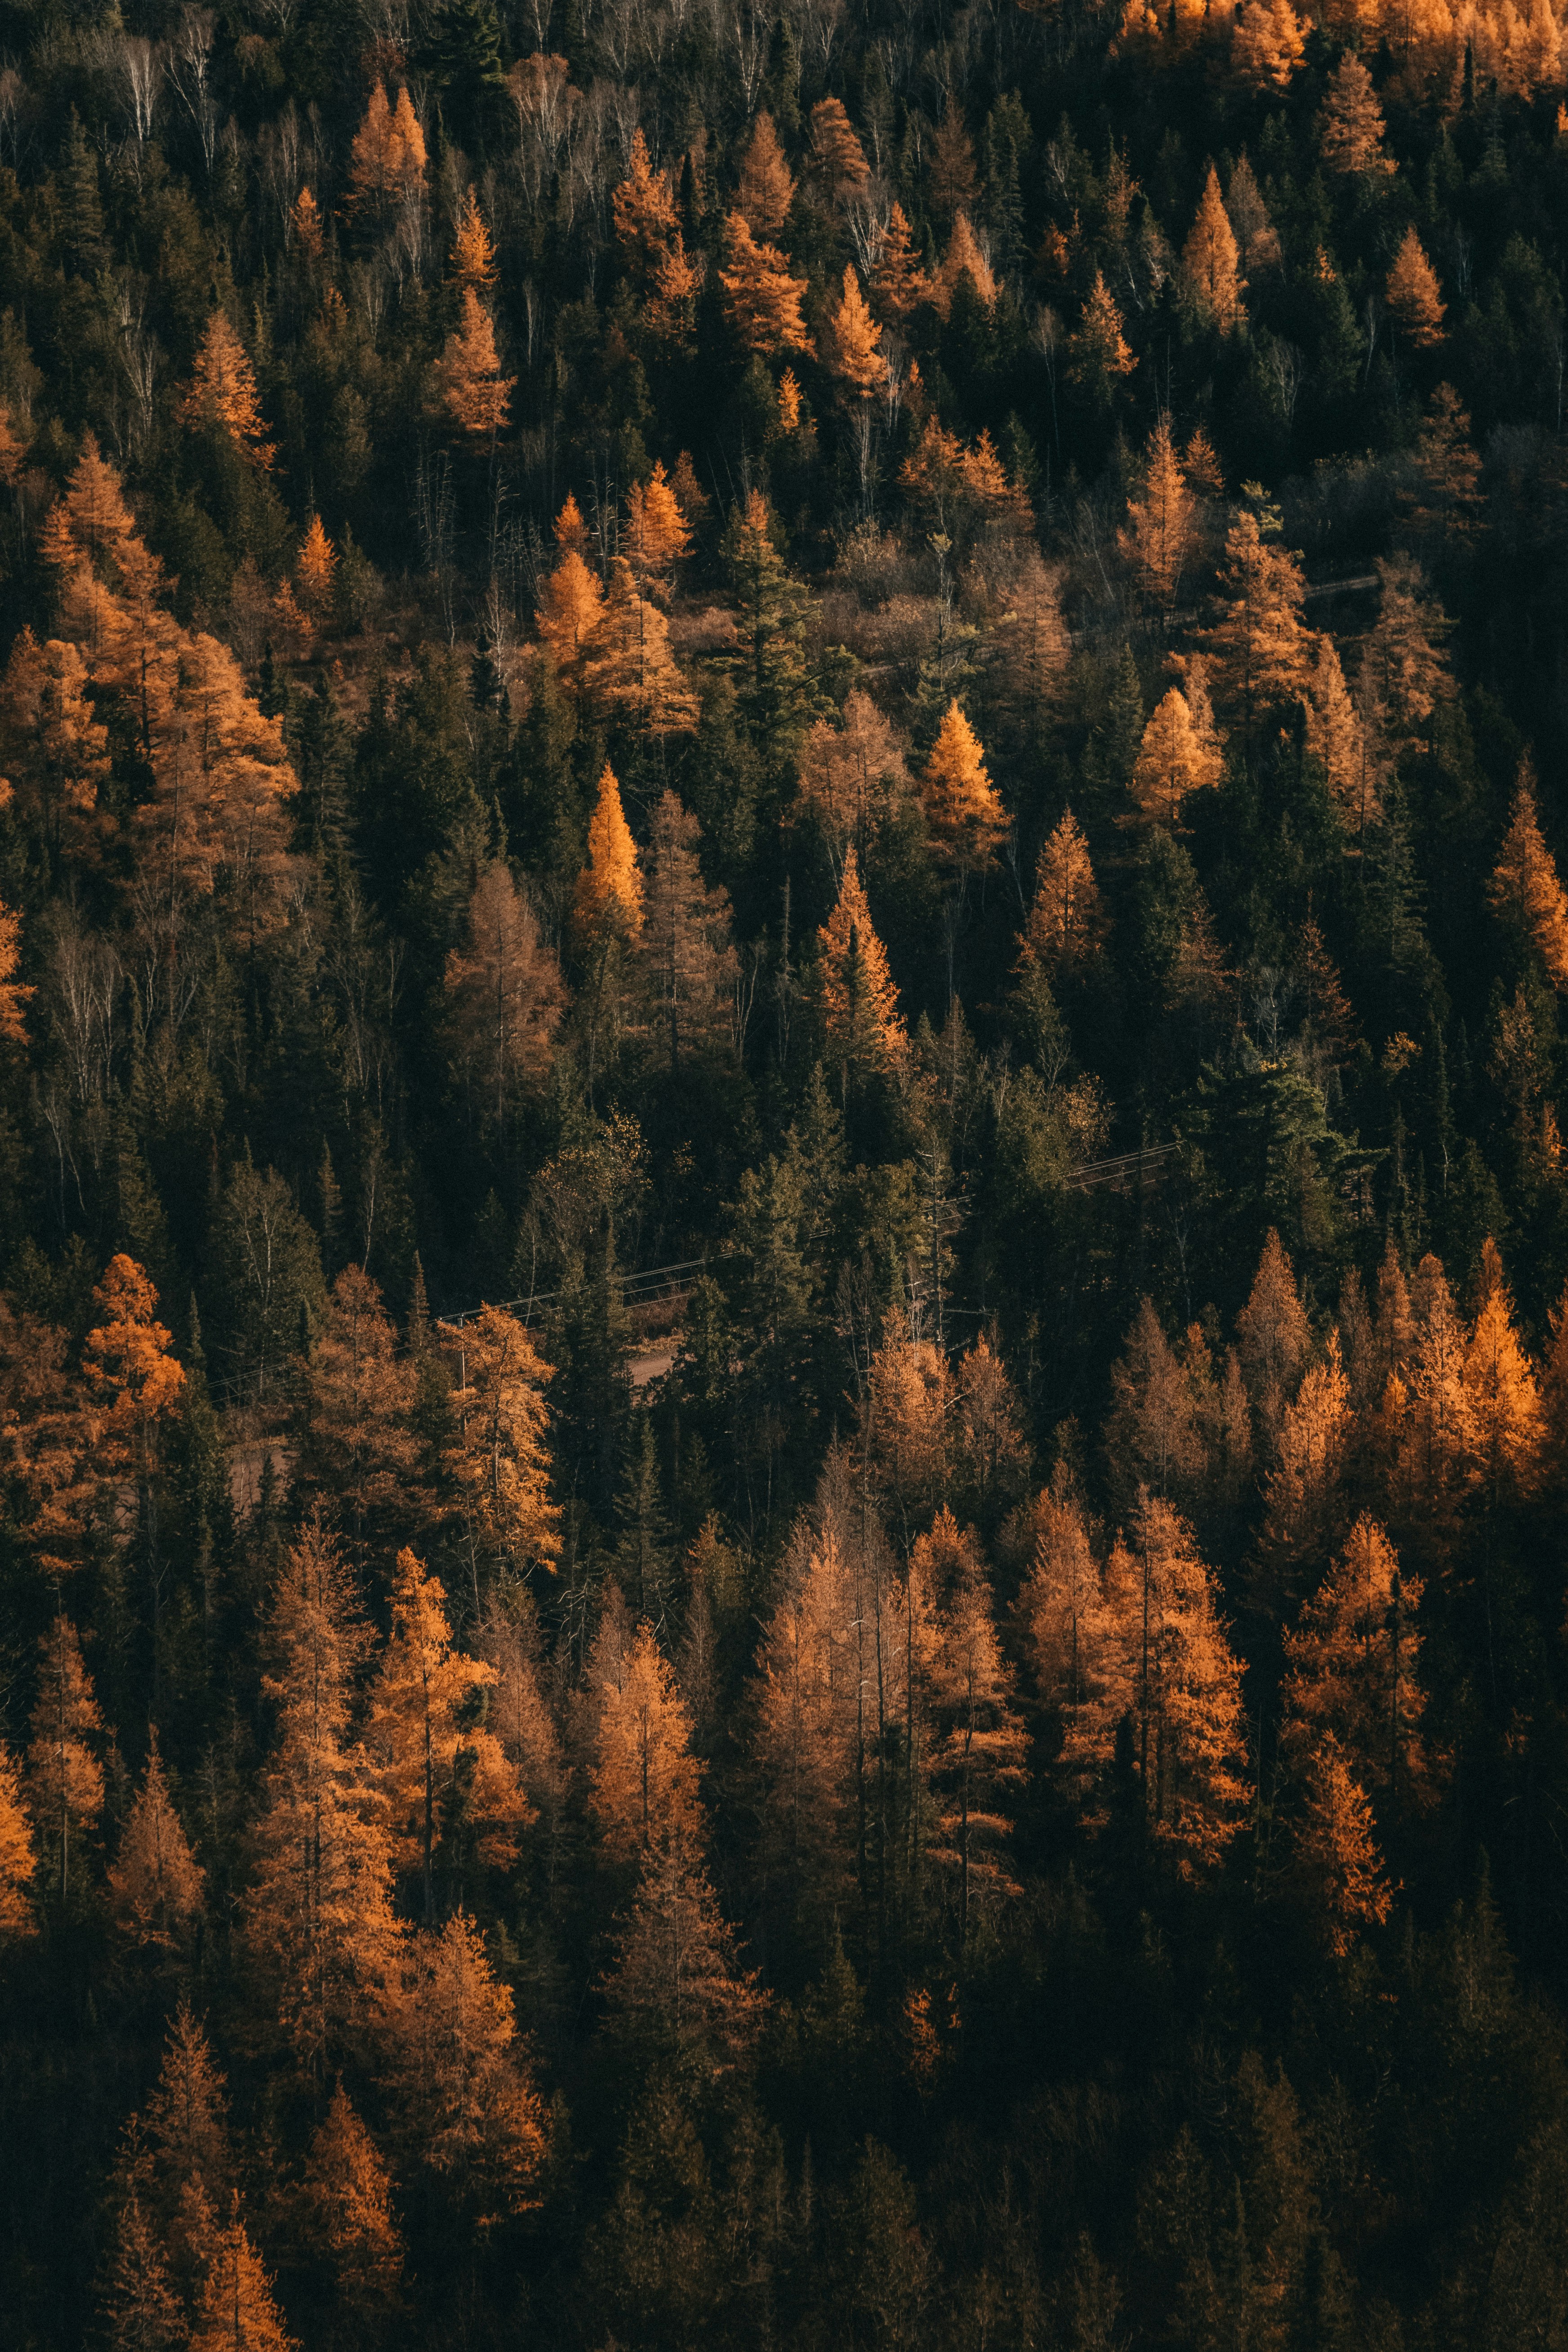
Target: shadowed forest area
<point>783,1241</point>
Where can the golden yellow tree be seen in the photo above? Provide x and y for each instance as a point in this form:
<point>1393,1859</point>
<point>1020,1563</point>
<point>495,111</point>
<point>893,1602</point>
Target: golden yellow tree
<point>961,807</point>
<point>1179,754</point>
<point>629,672</point>
<point>852,775</point>
<point>1524,890</point>
<point>305,226</point>
<point>849,348</point>
<point>387,159</point>
<point>1208,258</point>
<point>473,255</point>
<point>55,751</point>
<point>65,1778</point>
<point>346,2219</point>
<point>1259,650</point>
<point>1352,1672</point>
<point>222,397</point>
<point>1067,916</point>
<point>440,1771</point>
<point>643,1788</point>
<point>237,2306</point>
<point>467,2111</point>
<point>1338,736</point>
<point>643,208</point>
<point>1505,1397</point>
<point>609,888</point>
<point>155,1885</point>
<point>322,1946</point>
<point>1159,526</point>
<point>504,994</point>
<point>316,565</point>
<point>762,301</point>
<point>836,153</point>
<point>1351,134</point>
<point>977,1761</point>
<point>469,383</point>
<point>1098,353</point>
<point>1181,1683</point>
<point>498,1459</point>
<point>657,534</point>
<point>897,281</point>
<point>571,607</point>
<point>859,1002</point>
<point>1267,46</point>
<point>19,1860</point>
<point>14,997</point>
<point>963,260</point>
<point>1336,1866</point>
<point>766,190</point>
<point>1413,295</point>
<point>1068,1636</point>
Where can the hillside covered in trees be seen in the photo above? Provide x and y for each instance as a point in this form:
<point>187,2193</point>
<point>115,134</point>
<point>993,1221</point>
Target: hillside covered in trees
<point>783,1235</point>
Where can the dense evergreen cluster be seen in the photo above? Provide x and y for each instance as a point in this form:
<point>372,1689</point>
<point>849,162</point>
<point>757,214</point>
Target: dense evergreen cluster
<point>783,1241</point>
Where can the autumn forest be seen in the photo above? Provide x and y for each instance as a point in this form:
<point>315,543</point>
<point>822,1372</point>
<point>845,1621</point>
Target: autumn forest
<point>783,1234</point>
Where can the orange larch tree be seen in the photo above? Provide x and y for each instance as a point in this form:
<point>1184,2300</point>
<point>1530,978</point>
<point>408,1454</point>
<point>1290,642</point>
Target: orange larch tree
<point>155,1885</point>
<point>1413,294</point>
<point>1159,527</point>
<point>657,532</point>
<point>963,260</point>
<point>18,1858</point>
<point>1351,137</point>
<point>966,818</point>
<point>978,1760</point>
<point>1352,1672</point>
<point>473,257</point>
<point>346,2220</point>
<point>1182,1686</point>
<point>571,607</point>
<point>63,1778</point>
<point>850,341</point>
<point>630,673</point>
<point>357,1453</point>
<point>1273,1336</point>
<point>1339,737</point>
<point>762,301</point>
<point>609,891</point>
<point>15,997</point>
<point>1336,1867</point>
<point>316,567</point>
<point>838,155</point>
<point>1098,352</point>
<point>388,157</point>
<point>643,208</point>
<point>852,775</point>
<point>237,2306</point>
<point>643,1788</point>
<point>504,995</point>
<point>1209,258</point>
<point>766,191</point>
<point>684,946</point>
<point>859,1002</point>
<point>1259,651</point>
<point>1068,1638</point>
<point>322,1941</point>
<point>471,386</point>
<point>1179,754</point>
<point>1505,1397</point>
<point>1524,890</point>
<point>677,1990</point>
<point>1067,916</point>
<point>443,1775</point>
<point>497,1460</point>
<point>1266,45</point>
<point>467,2111</point>
<point>222,397</point>
<point>897,281</point>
